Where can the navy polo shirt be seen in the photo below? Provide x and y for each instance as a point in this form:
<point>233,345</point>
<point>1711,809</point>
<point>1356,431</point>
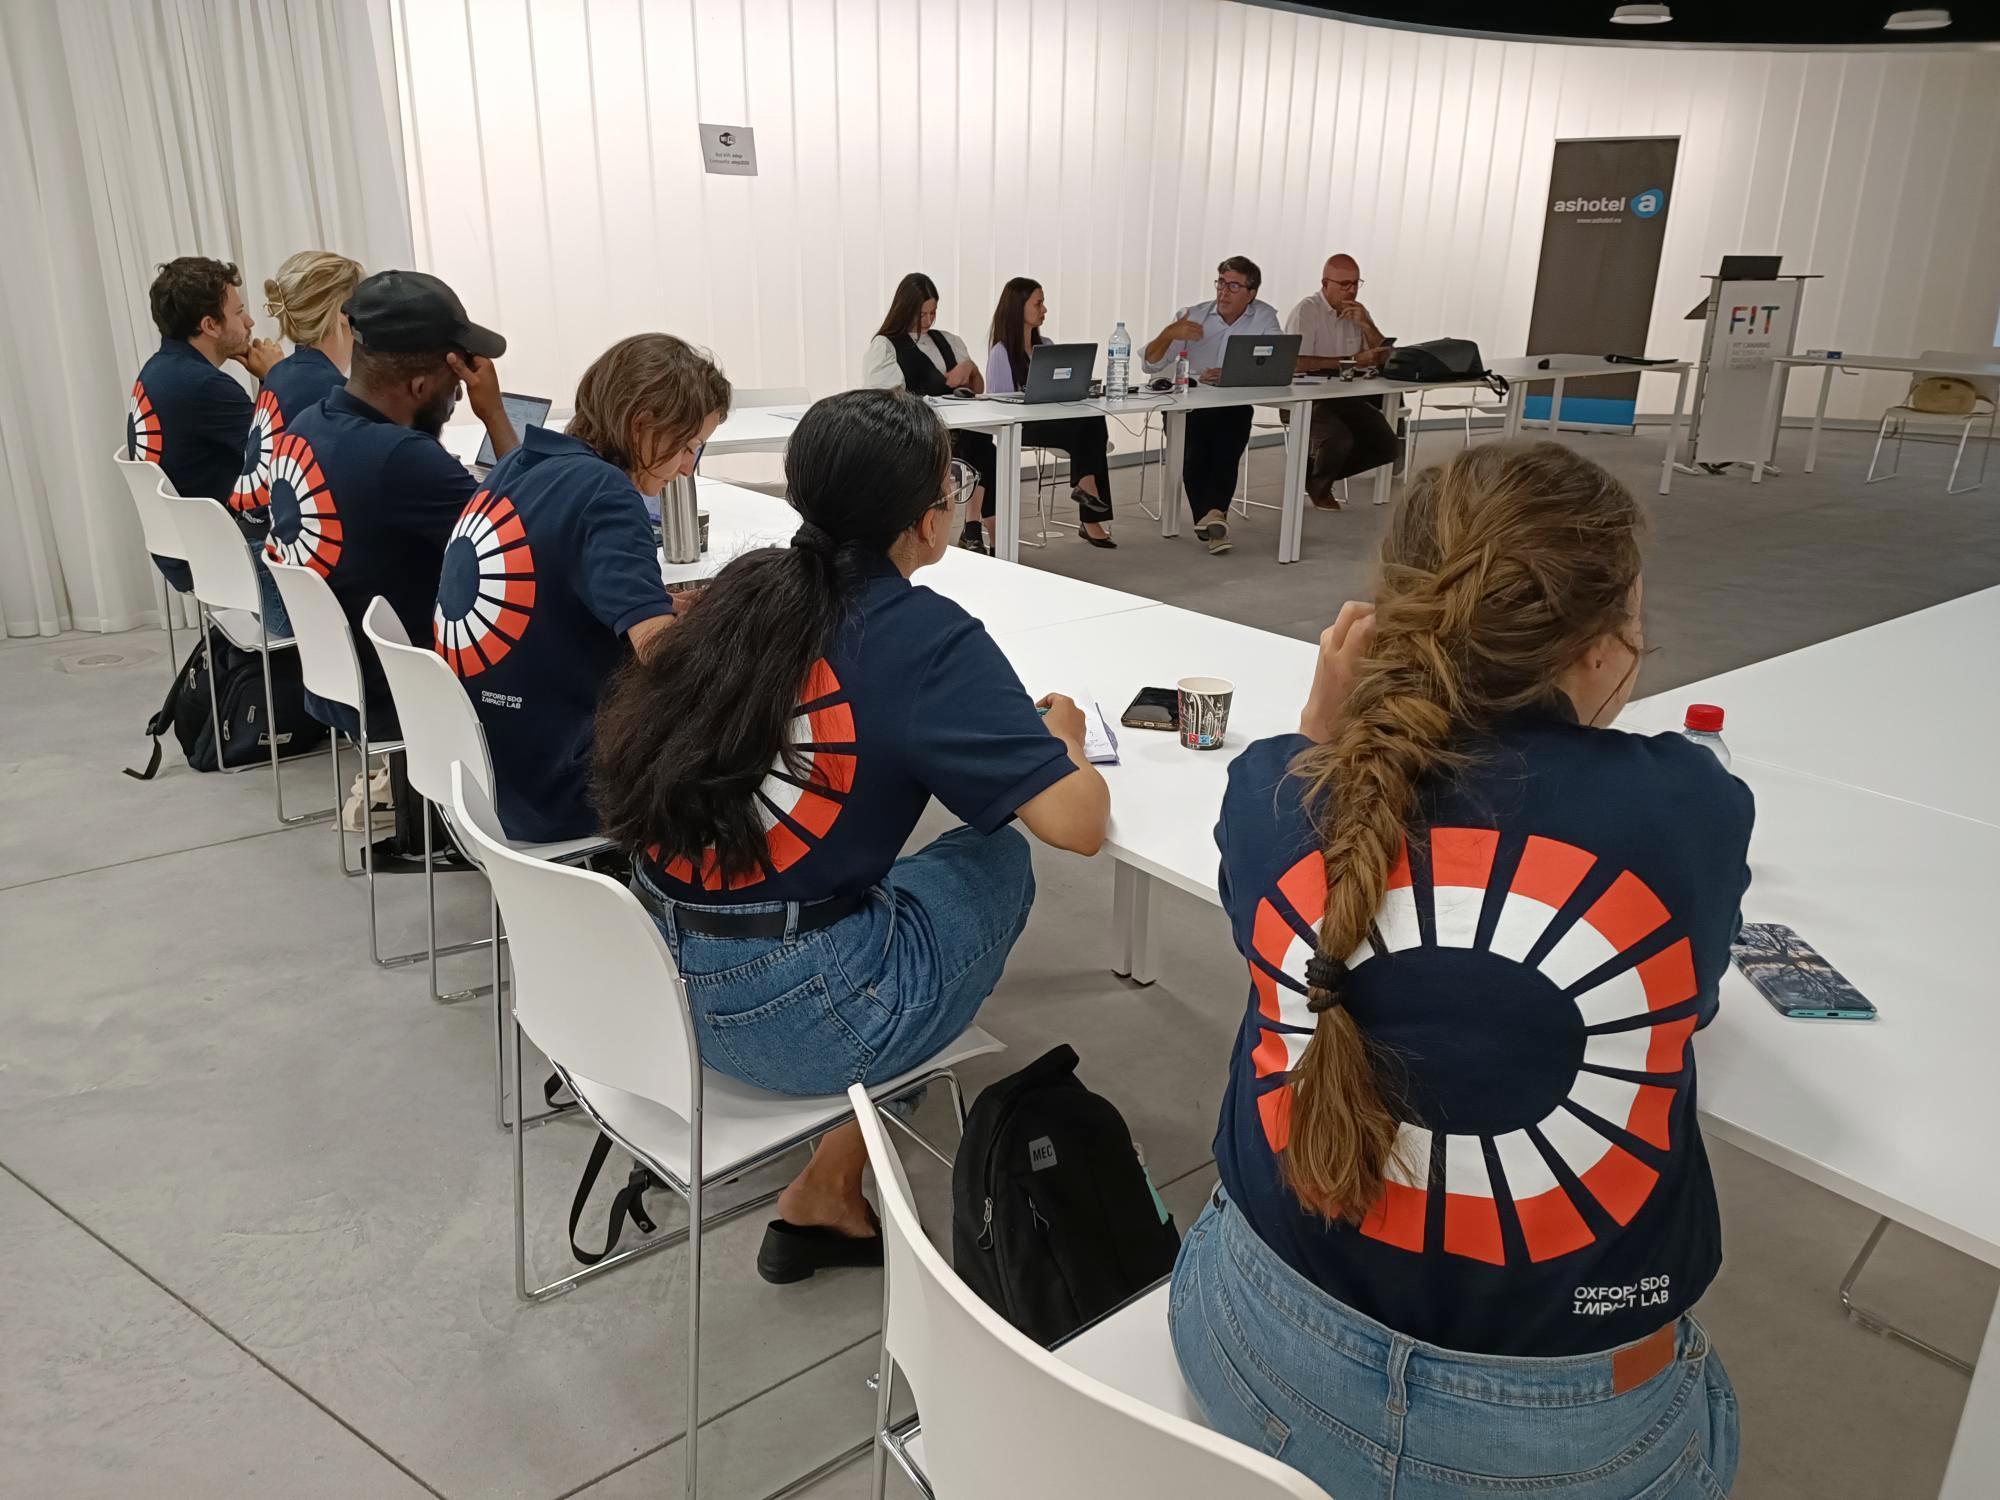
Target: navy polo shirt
<point>548,567</point>
<point>294,383</point>
<point>189,417</point>
<point>913,701</point>
<point>1551,939</point>
<point>368,505</point>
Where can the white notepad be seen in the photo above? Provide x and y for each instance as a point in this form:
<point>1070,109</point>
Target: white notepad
<point>1100,745</point>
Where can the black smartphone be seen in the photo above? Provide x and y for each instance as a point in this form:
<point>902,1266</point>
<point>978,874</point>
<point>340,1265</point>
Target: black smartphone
<point>1154,708</point>
<point>1790,973</point>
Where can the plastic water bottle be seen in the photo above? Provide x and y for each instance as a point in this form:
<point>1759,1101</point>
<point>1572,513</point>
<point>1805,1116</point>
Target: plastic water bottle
<point>1118,365</point>
<point>1180,373</point>
<point>1703,725</point>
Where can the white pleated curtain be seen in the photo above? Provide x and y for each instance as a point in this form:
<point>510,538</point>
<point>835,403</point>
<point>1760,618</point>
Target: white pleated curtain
<point>135,131</point>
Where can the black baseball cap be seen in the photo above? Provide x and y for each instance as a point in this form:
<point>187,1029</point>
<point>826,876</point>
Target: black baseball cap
<point>407,312</point>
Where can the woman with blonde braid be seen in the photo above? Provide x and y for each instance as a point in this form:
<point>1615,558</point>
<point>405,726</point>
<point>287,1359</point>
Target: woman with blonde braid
<point>1464,1206</point>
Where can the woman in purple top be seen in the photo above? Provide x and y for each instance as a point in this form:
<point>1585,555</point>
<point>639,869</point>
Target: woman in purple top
<point>1017,328</point>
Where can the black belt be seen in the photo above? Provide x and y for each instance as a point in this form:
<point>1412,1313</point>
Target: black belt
<point>764,924</point>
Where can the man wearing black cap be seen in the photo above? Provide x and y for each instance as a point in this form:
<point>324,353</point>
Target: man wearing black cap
<point>361,489</point>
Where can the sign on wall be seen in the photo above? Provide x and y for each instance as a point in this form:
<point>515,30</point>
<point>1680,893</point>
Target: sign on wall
<point>1753,323</point>
<point>1601,236</point>
<point>729,150</point>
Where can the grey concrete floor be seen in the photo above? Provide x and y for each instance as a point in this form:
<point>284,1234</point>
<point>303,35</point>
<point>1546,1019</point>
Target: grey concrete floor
<point>254,1212</point>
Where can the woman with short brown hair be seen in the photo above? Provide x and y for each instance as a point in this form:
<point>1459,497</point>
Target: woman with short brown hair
<point>553,571</point>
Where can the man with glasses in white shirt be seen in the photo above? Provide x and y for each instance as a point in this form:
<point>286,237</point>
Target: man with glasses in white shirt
<point>1216,436</point>
<point>1349,436</point>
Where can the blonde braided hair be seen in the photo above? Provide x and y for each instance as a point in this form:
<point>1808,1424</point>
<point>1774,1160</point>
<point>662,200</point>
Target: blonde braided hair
<point>1501,569</point>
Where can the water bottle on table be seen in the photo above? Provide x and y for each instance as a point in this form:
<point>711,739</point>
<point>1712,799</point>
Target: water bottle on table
<point>1118,365</point>
<point>1181,373</point>
<point>1703,725</point>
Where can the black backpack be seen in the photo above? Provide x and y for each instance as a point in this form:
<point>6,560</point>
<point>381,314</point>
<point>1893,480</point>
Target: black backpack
<point>1053,1220</point>
<point>239,694</point>
<point>1438,360</point>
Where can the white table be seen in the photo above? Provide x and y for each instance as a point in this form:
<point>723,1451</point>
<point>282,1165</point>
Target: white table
<point>755,429</point>
<point>1004,599</point>
<point>1164,799</point>
<point>1893,880</point>
<point>1781,374</point>
<point>1535,369</point>
<point>1909,709</point>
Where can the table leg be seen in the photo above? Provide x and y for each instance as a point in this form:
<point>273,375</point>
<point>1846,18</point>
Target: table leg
<point>1386,475</point>
<point>1674,433</point>
<point>1135,955</point>
<point>1556,407</point>
<point>1292,514</point>
<point>1007,504</point>
<point>1819,416</point>
<point>1175,422</point>
<point>1767,440</point>
<point>1517,405</point>
<point>1975,1453</point>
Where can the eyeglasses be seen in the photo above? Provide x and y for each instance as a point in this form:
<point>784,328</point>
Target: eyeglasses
<point>961,479</point>
<point>1231,286</point>
<point>1357,283</point>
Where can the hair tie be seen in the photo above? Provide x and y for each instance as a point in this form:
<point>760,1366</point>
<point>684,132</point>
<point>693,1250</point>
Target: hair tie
<point>815,539</point>
<point>1323,977</point>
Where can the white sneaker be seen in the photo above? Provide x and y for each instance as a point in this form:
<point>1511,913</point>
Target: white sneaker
<point>384,808</point>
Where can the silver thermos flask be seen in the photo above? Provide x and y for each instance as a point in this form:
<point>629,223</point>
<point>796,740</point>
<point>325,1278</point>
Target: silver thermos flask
<point>680,522</point>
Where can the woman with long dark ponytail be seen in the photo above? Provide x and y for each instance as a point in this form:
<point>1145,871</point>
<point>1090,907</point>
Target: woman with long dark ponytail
<point>1017,327</point>
<point>1464,1207</point>
<point>767,763</point>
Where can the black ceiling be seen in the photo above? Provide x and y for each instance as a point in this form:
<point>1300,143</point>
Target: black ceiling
<point>1745,23</point>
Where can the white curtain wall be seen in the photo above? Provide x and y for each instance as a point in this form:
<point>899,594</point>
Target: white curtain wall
<point>1116,149</point>
<point>134,131</point>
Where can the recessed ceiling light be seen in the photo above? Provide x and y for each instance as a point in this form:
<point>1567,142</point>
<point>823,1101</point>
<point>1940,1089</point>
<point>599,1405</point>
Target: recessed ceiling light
<point>1641,15</point>
<point>1917,20</point>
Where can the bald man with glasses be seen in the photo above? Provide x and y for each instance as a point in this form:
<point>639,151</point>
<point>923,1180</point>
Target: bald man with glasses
<point>1349,436</point>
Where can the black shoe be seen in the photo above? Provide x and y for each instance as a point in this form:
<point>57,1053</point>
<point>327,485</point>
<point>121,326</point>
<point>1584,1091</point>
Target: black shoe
<point>1096,541</point>
<point>974,538</point>
<point>793,1253</point>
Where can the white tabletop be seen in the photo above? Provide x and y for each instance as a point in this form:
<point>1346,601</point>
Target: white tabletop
<point>1909,708</point>
<point>755,429</point>
<point>1164,799</point>
<point>1912,363</point>
<point>1005,598</point>
<point>1897,1113</point>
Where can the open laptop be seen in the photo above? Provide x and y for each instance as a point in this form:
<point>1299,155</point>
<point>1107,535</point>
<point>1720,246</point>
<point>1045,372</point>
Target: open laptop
<point>522,411</point>
<point>1260,359</point>
<point>1056,372</point>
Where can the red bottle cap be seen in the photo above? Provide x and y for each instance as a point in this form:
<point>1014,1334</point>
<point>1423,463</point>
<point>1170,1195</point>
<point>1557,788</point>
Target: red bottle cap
<point>1704,718</point>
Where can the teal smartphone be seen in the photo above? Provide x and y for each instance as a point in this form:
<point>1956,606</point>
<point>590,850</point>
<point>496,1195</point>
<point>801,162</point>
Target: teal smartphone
<point>1790,973</point>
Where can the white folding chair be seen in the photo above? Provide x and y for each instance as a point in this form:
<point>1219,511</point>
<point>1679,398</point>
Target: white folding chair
<point>225,586</point>
<point>1241,500</point>
<point>999,1417</point>
<point>1986,393</point>
<point>440,727</point>
<point>596,989</point>
<point>1466,410</point>
<point>151,489</point>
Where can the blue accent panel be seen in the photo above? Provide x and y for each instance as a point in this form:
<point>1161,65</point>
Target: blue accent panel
<point>1599,409</point>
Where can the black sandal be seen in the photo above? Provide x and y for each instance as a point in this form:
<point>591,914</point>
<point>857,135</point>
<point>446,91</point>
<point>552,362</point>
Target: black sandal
<point>794,1252</point>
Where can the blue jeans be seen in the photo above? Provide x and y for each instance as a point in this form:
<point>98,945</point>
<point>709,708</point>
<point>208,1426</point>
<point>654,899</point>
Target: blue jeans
<point>277,619</point>
<point>1370,1414</point>
<point>877,994</point>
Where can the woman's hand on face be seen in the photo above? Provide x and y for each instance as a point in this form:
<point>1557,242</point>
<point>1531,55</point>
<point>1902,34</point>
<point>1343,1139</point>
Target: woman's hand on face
<point>1342,646</point>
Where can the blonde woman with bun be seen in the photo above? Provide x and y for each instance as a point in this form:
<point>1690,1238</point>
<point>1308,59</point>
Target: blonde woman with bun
<point>1464,1210</point>
<point>306,297</point>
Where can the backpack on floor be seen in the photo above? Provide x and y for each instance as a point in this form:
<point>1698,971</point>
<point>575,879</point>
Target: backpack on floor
<point>239,694</point>
<point>1440,360</point>
<point>1053,1219</point>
